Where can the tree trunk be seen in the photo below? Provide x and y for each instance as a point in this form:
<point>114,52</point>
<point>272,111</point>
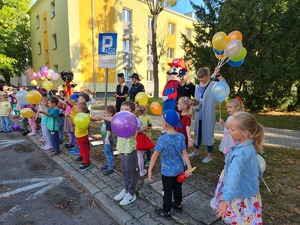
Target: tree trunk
<point>7,79</point>
<point>297,104</point>
<point>155,56</point>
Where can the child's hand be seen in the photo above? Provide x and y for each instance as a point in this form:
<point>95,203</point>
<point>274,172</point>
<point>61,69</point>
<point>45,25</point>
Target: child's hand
<point>189,171</point>
<point>221,212</point>
<point>190,142</point>
<point>98,117</point>
<point>221,121</point>
<point>107,141</point>
<point>150,176</point>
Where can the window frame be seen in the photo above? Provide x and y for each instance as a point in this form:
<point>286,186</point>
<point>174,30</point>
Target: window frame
<point>126,15</point>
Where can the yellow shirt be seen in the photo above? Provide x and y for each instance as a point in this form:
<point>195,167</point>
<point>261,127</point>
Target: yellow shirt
<point>81,132</point>
<point>126,145</point>
<point>73,112</point>
<point>5,108</point>
<point>145,120</point>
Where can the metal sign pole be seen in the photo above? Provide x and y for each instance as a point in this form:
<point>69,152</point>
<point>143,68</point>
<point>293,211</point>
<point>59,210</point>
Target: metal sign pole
<point>106,84</point>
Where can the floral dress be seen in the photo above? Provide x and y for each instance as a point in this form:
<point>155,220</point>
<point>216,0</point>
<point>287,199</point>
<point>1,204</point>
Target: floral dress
<point>227,141</point>
<point>246,211</point>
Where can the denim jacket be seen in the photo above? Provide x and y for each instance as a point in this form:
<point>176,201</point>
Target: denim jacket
<point>241,172</point>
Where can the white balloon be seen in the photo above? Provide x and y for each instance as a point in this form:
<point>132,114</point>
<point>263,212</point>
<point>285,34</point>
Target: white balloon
<point>262,163</point>
<point>233,48</point>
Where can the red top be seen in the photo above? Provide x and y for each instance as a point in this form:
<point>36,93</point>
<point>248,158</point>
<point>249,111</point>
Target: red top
<point>185,121</point>
<point>171,84</point>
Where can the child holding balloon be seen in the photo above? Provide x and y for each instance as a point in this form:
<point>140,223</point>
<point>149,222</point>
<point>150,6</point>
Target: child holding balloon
<point>44,121</point>
<point>5,110</point>
<point>233,105</point>
<point>237,199</point>
<point>172,149</point>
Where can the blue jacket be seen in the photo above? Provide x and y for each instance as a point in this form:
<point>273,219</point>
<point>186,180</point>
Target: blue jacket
<point>241,172</point>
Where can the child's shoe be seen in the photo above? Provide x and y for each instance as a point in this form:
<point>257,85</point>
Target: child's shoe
<point>84,167</point>
<point>128,199</point>
<point>47,148</point>
<point>79,159</point>
<point>147,163</point>
<point>104,167</point>
<point>177,207</point>
<point>143,173</point>
<point>107,171</point>
<point>162,213</point>
<point>121,195</point>
<point>75,150</point>
<point>31,134</point>
<point>42,139</point>
<point>69,145</point>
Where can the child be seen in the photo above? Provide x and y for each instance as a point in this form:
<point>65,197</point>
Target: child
<point>185,113</point>
<point>108,141</point>
<point>68,123</point>
<point>173,151</point>
<point>45,131</point>
<point>237,199</point>
<point>62,108</point>
<point>5,111</point>
<point>143,143</point>
<point>52,123</point>
<point>32,122</point>
<point>83,140</point>
<point>233,105</point>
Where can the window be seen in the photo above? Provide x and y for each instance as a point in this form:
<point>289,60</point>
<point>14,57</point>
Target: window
<point>54,41</point>
<point>149,50</point>
<point>53,9</point>
<point>127,45</point>
<point>150,75</point>
<point>127,73</point>
<point>150,22</point>
<point>45,24</point>
<point>171,28</point>
<point>126,15</point>
<point>38,23</point>
<point>39,48</point>
<point>188,33</point>
<point>171,53</point>
<point>55,68</point>
<point>46,57</point>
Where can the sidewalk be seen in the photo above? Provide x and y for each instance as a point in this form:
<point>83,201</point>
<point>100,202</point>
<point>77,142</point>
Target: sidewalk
<point>197,193</point>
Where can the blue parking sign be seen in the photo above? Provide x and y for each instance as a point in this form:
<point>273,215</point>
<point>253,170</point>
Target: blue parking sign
<point>107,44</point>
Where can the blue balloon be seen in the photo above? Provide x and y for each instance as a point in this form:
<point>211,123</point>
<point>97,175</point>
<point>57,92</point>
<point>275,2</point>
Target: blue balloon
<point>218,52</point>
<point>21,97</point>
<point>236,64</point>
<point>220,91</point>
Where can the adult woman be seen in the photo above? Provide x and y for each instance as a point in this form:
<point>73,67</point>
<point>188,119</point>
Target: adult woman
<point>185,88</point>
<point>136,86</point>
<point>121,91</point>
<point>205,112</point>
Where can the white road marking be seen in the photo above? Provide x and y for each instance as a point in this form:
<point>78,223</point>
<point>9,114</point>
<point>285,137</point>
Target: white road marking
<point>11,212</point>
<point>6,143</point>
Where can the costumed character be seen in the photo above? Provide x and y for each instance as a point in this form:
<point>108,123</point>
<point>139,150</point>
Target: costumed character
<point>178,68</point>
<point>68,77</point>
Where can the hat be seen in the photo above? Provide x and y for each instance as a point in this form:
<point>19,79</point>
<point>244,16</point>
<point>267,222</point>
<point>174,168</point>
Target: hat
<point>179,63</point>
<point>182,73</point>
<point>172,117</point>
<point>135,75</point>
<point>120,74</point>
<point>85,96</point>
<point>74,97</point>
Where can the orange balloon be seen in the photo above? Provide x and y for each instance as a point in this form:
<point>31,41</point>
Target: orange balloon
<point>234,35</point>
<point>34,97</point>
<point>27,113</point>
<point>156,108</point>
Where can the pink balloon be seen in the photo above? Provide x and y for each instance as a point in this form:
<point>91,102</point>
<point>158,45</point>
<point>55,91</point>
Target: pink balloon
<point>35,75</point>
<point>124,124</point>
<point>44,73</point>
<point>55,76</point>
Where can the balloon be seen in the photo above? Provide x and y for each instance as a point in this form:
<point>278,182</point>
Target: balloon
<point>262,163</point>
<point>44,72</point>
<point>33,82</point>
<point>141,98</point>
<point>220,56</point>
<point>234,35</point>
<point>35,75</point>
<point>44,68</point>
<point>55,76</point>
<point>156,108</point>
<point>49,77</point>
<point>50,72</point>
<point>239,56</point>
<point>34,97</point>
<point>42,78</point>
<point>81,120</point>
<point>47,85</point>
<point>15,127</point>
<point>124,124</point>
<point>220,91</point>
<point>233,48</point>
<point>21,97</point>
<point>219,41</point>
<point>235,64</point>
<point>26,113</point>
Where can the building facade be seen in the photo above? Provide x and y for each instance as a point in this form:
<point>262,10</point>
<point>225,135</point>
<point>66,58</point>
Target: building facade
<point>64,36</point>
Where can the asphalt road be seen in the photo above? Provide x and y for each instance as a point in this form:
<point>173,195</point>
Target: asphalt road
<point>34,191</point>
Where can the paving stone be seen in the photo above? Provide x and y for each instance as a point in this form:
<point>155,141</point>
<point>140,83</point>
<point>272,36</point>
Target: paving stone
<point>141,203</point>
<point>89,175</point>
<point>113,183</point>
<point>101,185</point>
<point>147,219</point>
<point>94,180</point>
<point>108,190</point>
<point>136,211</point>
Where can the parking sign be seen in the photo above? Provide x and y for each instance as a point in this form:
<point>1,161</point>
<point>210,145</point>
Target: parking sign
<point>107,50</point>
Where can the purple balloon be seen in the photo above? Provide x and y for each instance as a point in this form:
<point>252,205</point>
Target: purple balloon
<point>15,127</point>
<point>124,124</point>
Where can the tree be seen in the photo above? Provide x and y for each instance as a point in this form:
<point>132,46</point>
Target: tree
<point>155,7</point>
<point>15,47</point>
<point>270,68</point>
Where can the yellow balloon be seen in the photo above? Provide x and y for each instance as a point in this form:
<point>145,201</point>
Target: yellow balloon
<point>141,98</point>
<point>47,85</point>
<point>81,120</point>
<point>219,41</point>
<point>49,76</point>
<point>220,56</point>
<point>33,82</point>
<point>34,97</point>
<point>27,113</point>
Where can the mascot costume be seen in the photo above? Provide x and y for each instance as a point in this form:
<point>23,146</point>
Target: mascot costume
<point>67,77</point>
<point>178,68</point>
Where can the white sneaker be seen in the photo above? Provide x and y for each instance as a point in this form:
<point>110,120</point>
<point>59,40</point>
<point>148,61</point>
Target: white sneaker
<point>143,173</point>
<point>31,134</point>
<point>128,199</point>
<point>206,160</point>
<point>120,196</point>
<point>193,154</point>
<point>47,148</point>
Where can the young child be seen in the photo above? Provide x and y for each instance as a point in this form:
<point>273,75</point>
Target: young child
<point>45,131</point>
<point>68,123</point>
<point>83,139</point>
<point>233,105</point>
<point>237,199</point>
<point>32,122</point>
<point>5,111</point>
<point>53,124</point>
<point>143,143</point>
<point>185,113</point>
<point>173,151</point>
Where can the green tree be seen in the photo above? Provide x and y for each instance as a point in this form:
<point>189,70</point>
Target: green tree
<point>155,7</point>
<point>15,49</point>
<point>271,37</point>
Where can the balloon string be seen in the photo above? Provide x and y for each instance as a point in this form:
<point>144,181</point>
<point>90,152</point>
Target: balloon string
<point>224,62</point>
<point>265,184</point>
<point>220,115</point>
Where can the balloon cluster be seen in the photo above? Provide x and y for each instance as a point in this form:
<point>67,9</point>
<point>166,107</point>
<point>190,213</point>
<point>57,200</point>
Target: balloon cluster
<point>25,98</point>
<point>44,76</point>
<point>229,47</point>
